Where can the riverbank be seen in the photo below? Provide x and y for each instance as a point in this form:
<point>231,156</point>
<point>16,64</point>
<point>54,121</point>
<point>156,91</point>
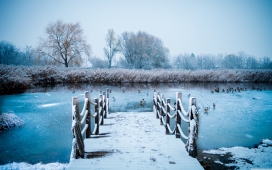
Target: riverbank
<point>20,78</point>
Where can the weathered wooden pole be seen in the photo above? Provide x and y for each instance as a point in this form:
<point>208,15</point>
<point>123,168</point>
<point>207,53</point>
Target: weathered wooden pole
<point>158,104</point>
<point>154,101</point>
<point>88,119</point>
<point>104,105</point>
<point>178,108</point>
<point>96,120</point>
<point>193,128</point>
<point>77,129</point>
<point>161,110</point>
<point>108,101</point>
<point>167,116</point>
<point>101,108</point>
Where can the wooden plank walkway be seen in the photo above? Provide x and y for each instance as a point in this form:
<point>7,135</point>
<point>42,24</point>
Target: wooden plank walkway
<point>133,140</point>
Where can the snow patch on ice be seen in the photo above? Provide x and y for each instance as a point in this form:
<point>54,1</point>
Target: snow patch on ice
<point>246,158</point>
<point>38,166</point>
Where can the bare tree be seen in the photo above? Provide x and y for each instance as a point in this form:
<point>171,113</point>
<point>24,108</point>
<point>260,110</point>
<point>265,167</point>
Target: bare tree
<point>64,43</point>
<point>144,51</point>
<point>113,46</point>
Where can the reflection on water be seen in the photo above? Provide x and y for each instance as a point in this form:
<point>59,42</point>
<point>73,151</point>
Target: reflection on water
<point>239,118</point>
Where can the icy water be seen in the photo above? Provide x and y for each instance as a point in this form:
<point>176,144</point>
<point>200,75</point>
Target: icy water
<point>238,119</point>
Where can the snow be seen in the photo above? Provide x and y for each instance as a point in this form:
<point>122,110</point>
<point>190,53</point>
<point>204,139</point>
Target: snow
<point>38,166</point>
<point>135,140</point>
<point>247,158</point>
<point>10,120</point>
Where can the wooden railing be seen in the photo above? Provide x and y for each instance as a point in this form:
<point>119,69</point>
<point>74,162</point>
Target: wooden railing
<point>163,109</point>
<point>81,121</point>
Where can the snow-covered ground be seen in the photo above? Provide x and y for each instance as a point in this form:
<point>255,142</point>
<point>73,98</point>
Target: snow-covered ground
<point>38,166</point>
<point>248,158</point>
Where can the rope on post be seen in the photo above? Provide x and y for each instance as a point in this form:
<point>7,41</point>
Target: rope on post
<point>81,122</point>
<point>88,117</point>
<point>159,106</point>
<point>178,102</point>
<point>96,129</point>
<point>191,146</point>
<point>78,144</point>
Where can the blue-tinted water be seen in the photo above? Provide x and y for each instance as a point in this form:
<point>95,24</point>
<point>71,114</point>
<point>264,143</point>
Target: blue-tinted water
<point>239,118</point>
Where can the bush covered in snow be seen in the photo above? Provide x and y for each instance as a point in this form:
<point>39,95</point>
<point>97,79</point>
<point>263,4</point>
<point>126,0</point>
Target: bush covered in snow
<point>23,77</point>
<point>10,120</point>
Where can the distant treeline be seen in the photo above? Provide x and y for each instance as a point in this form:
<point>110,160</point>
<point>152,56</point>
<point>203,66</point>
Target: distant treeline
<point>10,55</point>
<point>14,78</point>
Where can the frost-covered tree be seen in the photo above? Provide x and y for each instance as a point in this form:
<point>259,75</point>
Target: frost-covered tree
<point>266,63</point>
<point>233,61</point>
<point>99,63</point>
<point>144,51</point>
<point>8,53</point>
<point>64,43</point>
<point>113,46</point>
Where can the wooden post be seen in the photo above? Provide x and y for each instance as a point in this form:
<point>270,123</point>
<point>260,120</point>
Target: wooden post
<point>104,105</point>
<point>157,104</point>
<point>154,101</point>
<point>75,101</point>
<point>108,101</point>
<point>178,118</point>
<point>96,120</point>
<point>193,128</point>
<point>161,110</point>
<point>88,119</point>
<point>77,130</point>
<point>101,109</point>
<point>167,116</point>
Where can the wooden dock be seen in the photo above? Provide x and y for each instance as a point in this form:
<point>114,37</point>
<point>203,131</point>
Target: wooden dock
<point>133,140</point>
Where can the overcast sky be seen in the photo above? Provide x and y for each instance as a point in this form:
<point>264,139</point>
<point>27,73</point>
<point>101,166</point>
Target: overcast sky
<point>192,26</point>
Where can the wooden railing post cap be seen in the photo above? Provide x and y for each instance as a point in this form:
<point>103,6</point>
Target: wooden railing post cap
<point>178,94</point>
<point>75,100</point>
<point>193,101</point>
<point>87,94</point>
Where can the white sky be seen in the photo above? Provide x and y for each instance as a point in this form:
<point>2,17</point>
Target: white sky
<point>195,26</point>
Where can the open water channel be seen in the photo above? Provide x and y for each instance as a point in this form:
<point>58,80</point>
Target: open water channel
<point>239,118</point>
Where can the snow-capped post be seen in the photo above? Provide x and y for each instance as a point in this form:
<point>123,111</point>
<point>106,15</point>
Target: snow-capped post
<point>101,109</point>
<point>108,101</point>
<point>88,119</point>
<point>154,101</point>
<point>178,108</point>
<point>193,128</point>
<point>104,105</point>
<point>158,104</point>
<point>167,115</point>
<point>96,120</point>
<point>78,144</point>
<point>161,110</point>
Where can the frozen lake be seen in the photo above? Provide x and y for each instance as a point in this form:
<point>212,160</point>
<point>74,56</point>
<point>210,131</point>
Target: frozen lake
<point>239,118</point>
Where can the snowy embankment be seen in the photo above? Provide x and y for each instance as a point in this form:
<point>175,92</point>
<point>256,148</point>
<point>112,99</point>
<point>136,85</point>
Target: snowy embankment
<point>38,166</point>
<point>22,77</point>
<point>246,158</point>
<point>10,120</point>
